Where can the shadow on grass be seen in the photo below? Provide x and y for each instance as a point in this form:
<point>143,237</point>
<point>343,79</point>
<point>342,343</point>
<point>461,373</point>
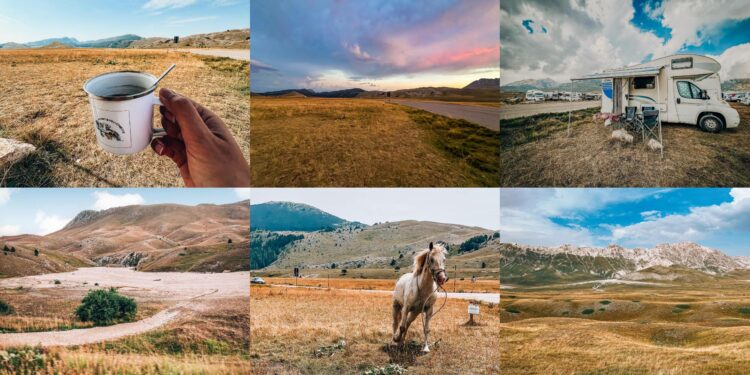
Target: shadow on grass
<point>36,170</point>
<point>404,355</point>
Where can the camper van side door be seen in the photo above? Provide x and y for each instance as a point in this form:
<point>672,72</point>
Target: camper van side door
<point>689,102</point>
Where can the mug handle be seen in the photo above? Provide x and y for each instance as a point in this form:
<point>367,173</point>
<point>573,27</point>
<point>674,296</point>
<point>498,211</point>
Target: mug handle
<point>158,132</point>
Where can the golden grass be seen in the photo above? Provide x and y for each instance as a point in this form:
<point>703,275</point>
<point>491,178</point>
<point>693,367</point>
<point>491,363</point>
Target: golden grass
<point>349,142</point>
<point>539,153</point>
<point>288,325</point>
<point>52,310</point>
<point>465,286</point>
<point>44,104</point>
<point>212,340</point>
<point>683,329</point>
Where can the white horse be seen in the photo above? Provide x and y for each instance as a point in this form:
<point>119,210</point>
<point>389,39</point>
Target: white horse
<point>415,293</point>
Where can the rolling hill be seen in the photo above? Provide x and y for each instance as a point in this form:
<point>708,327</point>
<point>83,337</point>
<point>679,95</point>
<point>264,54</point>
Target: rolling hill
<point>165,237</point>
<point>528,265</point>
<point>291,217</point>
<point>551,85</point>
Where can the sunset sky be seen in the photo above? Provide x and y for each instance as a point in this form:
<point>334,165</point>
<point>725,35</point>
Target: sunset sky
<point>374,45</point>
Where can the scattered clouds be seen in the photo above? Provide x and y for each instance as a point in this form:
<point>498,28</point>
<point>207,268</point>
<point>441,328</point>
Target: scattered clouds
<point>182,21</point>
<point>49,223</point>
<point>379,39</point>
<point>9,230</point>
<point>167,4</point>
<point>5,195</point>
<point>242,193</point>
<point>651,215</point>
<point>106,200</point>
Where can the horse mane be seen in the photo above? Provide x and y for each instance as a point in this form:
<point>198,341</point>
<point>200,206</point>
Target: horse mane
<point>421,258</point>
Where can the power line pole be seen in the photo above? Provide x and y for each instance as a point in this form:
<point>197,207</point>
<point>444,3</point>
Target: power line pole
<point>455,273</point>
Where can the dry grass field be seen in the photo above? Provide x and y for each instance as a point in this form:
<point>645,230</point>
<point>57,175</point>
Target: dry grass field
<point>212,339</point>
<point>296,331</point>
<point>336,282</point>
<point>698,328</point>
<point>536,151</point>
<point>44,104</point>
<point>362,142</point>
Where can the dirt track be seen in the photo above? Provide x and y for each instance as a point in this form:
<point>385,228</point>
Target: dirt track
<point>485,116</point>
<point>484,297</point>
<point>237,54</point>
<point>529,109</point>
<point>188,291</point>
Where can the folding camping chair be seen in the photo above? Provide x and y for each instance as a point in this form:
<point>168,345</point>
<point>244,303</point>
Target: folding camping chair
<point>649,125</point>
<point>629,122</point>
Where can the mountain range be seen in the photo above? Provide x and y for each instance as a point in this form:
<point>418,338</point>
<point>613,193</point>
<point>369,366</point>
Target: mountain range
<point>485,87</point>
<point>225,39</point>
<point>285,235</point>
<point>548,265</point>
<point>163,237</point>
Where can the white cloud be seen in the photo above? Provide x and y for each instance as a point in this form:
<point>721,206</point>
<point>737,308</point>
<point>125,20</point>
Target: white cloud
<point>166,4</point>
<point>5,195</point>
<point>693,21</point>
<point>698,224</point>
<point>182,21</point>
<point>105,200</point>
<point>242,193</point>
<point>49,223</point>
<point>9,230</point>
<point>650,215</point>
<point>735,62</point>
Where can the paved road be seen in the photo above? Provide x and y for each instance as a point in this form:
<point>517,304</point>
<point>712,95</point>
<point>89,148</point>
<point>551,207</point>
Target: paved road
<point>484,297</point>
<point>480,115</point>
<point>237,54</point>
<point>187,290</point>
<point>508,112</point>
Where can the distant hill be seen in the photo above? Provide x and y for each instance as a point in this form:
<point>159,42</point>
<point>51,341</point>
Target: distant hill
<point>164,237</point>
<point>348,93</point>
<point>288,216</point>
<point>45,42</point>
<point>551,85</point>
<point>12,45</point>
<point>56,45</point>
<point>232,39</point>
<point>122,41</point>
<point>484,84</point>
<point>741,84</point>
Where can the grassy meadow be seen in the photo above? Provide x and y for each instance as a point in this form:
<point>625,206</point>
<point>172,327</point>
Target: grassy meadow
<point>321,142</point>
<point>301,330</point>
<point>674,328</point>
<point>537,151</point>
<point>44,104</point>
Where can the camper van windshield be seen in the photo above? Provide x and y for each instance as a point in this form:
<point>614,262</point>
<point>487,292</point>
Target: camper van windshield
<point>688,90</point>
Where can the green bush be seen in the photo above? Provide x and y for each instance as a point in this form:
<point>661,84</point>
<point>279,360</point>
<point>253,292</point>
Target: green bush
<point>682,306</point>
<point>587,312</point>
<point>745,310</point>
<point>26,360</point>
<point>512,310</point>
<point>106,307</point>
<point>5,308</point>
<point>605,302</point>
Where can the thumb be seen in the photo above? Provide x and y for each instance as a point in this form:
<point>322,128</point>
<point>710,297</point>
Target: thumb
<point>191,124</point>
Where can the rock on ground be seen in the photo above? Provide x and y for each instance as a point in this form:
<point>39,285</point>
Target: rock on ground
<point>622,136</point>
<point>654,145</point>
<point>12,151</point>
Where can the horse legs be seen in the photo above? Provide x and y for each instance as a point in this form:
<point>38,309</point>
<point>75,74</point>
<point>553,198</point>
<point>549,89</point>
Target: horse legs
<point>396,319</point>
<point>405,323</point>
<point>426,326</point>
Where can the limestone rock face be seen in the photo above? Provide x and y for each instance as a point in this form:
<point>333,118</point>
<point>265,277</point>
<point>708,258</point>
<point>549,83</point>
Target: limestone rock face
<point>12,151</point>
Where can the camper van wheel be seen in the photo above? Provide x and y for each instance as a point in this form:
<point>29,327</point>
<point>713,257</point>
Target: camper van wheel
<point>711,123</point>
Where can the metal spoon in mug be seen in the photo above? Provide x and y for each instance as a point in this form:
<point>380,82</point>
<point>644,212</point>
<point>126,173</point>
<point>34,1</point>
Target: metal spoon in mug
<point>162,76</point>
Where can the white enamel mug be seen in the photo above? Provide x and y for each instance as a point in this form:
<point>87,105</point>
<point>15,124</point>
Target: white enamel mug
<point>123,123</point>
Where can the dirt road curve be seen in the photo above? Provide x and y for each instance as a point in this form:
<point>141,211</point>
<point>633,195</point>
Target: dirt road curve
<point>187,290</point>
<point>508,112</point>
<point>485,116</point>
<point>237,54</point>
<point>484,297</point>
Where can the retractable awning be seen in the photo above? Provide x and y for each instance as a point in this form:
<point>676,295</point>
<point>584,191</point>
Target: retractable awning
<point>621,73</point>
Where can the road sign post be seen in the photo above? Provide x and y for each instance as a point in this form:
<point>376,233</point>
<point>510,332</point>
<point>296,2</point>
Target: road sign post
<point>473,310</point>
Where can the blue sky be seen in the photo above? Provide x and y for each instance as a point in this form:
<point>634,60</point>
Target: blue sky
<point>472,207</point>
<point>718,218</point>
<point>373,44</point>
<point>42,211</point>
<point>568,37</point>
<point>32,20</point>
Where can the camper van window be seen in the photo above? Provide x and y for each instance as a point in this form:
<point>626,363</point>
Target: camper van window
<point>688,90</point>
<point>682,63</point>
<point>644,83</point>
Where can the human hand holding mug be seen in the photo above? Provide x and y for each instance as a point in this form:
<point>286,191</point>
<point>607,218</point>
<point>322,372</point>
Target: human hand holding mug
<point>201,145</point>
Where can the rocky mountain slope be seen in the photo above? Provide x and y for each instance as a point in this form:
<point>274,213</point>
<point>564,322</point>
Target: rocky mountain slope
<point>538,265</point>
<point>164,237</point>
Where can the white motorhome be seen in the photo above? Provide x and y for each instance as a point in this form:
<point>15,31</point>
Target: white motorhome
<point>685,88</point>
<point>534,96</point>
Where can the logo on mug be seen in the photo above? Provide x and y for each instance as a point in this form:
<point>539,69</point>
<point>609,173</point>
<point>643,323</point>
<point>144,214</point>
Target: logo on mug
<point>109,129</point>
